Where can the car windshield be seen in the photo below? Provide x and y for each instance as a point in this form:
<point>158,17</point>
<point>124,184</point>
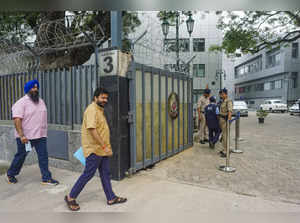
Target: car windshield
<point>277,102</point>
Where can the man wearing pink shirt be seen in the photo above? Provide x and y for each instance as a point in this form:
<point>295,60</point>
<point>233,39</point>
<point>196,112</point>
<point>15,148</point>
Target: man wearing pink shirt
<point>30,117</point>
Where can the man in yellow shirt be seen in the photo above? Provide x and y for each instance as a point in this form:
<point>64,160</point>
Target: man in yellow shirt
<point>95,139</point>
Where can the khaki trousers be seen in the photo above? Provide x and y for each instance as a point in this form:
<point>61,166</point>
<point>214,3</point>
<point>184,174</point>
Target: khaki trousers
<point>203,130</point>
<point>222,123</point>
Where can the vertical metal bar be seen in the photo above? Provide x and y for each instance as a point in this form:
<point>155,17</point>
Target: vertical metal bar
<point>167,116</point>
<point>191,113</point>
<point>179,115</point>
<point>132,103</point>
<point>183,113</point>
<point>72,98</point>
<point>54,96</point>
<point>189,110</point>
<point>152,117</point>
<point>116,28</point>
<point>66,86</point>
<point>47,88</point>
<point>14,88</point>
<point>173,127</point>
<point>1,97</point>
<point>79,80</point>
<point>143,118</point>
<point>159,112</point>
<point>228,143</point>
<point>86,90</point>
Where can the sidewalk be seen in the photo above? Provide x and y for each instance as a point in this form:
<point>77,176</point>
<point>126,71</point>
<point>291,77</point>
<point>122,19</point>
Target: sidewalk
<point>144,191</point>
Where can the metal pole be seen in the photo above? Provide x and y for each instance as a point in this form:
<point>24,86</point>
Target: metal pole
<point>237,136</point>
<point>221,80</point>
<point>116,29</point>
<point>177,41</point>
<point>227,168</point>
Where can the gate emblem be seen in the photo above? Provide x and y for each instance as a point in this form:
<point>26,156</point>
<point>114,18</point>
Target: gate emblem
<point>173,105</point>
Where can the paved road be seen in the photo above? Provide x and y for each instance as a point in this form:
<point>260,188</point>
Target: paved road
<point>269,167</point>
<point>267,179</point>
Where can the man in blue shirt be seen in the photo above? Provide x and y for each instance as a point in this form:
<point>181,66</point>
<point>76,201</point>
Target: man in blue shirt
<point>212,120</point>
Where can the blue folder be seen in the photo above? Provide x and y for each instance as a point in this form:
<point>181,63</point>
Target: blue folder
<point>79,155</point>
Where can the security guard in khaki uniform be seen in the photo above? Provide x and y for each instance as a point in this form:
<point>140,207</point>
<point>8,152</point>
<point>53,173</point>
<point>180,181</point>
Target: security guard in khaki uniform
<point>202,103</point>
<point>225,114</point>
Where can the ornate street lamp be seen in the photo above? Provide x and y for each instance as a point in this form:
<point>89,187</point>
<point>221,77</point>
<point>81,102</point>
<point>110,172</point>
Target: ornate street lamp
<point>190,24</point>
<point>165,27</point>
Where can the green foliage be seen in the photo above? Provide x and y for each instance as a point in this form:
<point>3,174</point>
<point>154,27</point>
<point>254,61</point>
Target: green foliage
<point>252,31</point>
<point>261,113</point>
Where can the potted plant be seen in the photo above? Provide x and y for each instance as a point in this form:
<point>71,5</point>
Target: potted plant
<point>261,114</point>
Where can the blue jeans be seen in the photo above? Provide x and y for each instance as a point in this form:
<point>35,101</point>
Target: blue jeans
<point>40,146</point>
<point>94,162</point>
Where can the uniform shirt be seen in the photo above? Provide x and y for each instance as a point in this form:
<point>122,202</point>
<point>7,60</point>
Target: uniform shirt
<point>33,115</point>
<point>94,118</point>
<point>202,103</point>
<point>226,107</point>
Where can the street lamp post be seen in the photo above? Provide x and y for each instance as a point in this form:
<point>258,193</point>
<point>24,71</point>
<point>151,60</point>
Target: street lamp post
<point>220,74</point>
<point>165,29</point>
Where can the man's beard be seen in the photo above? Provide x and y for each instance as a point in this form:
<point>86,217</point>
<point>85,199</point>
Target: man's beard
<point>34,96</point>
<point>100,104</point>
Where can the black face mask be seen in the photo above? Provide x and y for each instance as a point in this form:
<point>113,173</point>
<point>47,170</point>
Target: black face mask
<point>34,96</point>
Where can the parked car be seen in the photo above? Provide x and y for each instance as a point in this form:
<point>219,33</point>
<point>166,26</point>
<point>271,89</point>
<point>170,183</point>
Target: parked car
<point>295,108</point>
<point>240,106</point>
<point>273,106</point>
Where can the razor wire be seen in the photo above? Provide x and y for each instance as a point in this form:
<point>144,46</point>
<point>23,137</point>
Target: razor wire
<point>53,36</point>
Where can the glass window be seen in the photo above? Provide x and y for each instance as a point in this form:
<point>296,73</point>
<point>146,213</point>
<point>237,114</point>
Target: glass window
<point>294,80</point>
<point>184,45</point>
<point>295,50</point>
<point>267,86</point>
<point>278,84</point>
<point>198,44</point>
<point>199,70</point>
<point>277,102</point>
<point>273,58</point>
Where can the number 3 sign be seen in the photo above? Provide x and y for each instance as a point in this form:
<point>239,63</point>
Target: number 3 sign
<point>108,62</point>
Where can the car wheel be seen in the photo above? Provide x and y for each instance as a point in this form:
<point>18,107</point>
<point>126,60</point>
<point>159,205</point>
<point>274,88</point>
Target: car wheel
<point>282,111</point>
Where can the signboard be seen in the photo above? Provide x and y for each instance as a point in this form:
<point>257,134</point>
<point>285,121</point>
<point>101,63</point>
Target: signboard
<point>113,62</point>
<point>108,62</point>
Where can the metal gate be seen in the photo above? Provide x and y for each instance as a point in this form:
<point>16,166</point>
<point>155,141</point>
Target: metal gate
<point>154,135</point>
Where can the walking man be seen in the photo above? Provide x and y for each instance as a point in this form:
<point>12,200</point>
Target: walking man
<point>95,139</point>
<point>212,121</point>
<point>202,103</point>
<point>30,118</point>
<point>225,115</point>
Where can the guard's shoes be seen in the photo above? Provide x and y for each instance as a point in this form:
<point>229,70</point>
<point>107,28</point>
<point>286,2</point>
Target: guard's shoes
<point>50,182</point>
<point>211,145</point>
<point>206,140</point>
<point>202,142</point>
<point>222,154</point>
<point>12,179</point>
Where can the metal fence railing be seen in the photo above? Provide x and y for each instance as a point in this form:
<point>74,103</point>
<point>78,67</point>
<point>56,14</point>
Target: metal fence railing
<point>66,92</point>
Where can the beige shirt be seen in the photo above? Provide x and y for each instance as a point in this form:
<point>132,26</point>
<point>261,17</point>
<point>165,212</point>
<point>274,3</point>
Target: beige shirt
<point>226,107</point>
<point>94,118</point>
<point>202,103</point>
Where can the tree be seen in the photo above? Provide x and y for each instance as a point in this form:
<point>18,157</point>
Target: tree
<point>253,31</point>
<point>60,36</point>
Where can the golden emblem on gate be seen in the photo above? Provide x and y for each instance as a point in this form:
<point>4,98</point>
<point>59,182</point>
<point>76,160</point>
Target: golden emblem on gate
<point>173,105</point>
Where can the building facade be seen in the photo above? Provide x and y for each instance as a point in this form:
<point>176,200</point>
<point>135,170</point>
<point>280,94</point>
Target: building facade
<point>269,74</point>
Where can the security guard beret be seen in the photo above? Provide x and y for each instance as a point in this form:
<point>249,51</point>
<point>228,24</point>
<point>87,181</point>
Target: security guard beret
<point>212,99</point>
<point>207,91</point>
<point>225,90</point>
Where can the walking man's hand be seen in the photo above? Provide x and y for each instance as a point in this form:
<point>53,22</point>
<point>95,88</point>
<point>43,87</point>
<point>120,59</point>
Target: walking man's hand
<point>24,140</point>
